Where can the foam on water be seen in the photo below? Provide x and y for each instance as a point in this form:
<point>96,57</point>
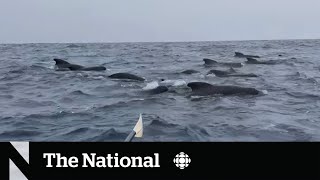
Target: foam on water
<point>151,85</point>
<point>173,83</point>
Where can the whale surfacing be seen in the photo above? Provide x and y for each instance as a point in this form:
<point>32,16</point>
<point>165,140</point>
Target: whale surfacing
<point>210,62</point>
<point>126,76</point>
<point>60,61</point>
<point>189,71</point>
<point>97,68</point>
<point>218,73</point>
<point>254,61</point>
<point>241,55</point>
<point>230,73</point>
<point>64,65</point>
<point>204,89</point>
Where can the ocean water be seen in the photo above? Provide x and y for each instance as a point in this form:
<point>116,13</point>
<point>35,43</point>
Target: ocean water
<point>38,103</point>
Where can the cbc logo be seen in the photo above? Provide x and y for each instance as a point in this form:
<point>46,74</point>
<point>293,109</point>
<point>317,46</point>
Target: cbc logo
<point>182,160</point>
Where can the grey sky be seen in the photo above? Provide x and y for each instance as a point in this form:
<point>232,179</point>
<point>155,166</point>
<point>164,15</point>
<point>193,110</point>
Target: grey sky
<point>157,20</point>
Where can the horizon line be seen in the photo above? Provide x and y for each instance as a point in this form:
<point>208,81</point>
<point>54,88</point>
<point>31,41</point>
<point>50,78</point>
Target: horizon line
<point>116,42</point>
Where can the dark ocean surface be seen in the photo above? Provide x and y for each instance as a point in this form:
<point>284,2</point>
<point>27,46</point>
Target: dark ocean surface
<point>38,103</point>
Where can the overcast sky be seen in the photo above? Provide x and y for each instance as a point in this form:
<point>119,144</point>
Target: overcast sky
<point>24,21</point>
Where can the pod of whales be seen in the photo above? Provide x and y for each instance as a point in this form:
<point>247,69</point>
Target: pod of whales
<point>126,76</point>
<point>64,66</point>
<point>241,55</point>
<point>198,88</point>
<point>204,89</point>
<point>210,62</point>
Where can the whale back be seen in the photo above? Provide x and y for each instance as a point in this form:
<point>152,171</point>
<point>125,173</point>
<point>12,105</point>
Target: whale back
<point>244,75</point>
<point>199,85</point>
<point>189,71</point>
<point>202,88</point>
<point>238,54</point>
<point>252,60</point>
<point>231,64</point>
<point>96,68</point>
<point>126,76</point>
<point>232,90</point>
<point>218,72</point>
<point>74,67</point>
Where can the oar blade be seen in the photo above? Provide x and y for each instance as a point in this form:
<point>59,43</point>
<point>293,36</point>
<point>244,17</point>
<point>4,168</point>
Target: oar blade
<point>138,128</point>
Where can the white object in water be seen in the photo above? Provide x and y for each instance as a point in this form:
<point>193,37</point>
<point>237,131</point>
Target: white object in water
<point>173,83</point>
<point>265,92</point>
<point>151,85</point>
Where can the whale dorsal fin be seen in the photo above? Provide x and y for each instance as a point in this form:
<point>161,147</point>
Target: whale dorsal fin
<point>239,54</point>
<point>209,61</point>
<point>60,61</point>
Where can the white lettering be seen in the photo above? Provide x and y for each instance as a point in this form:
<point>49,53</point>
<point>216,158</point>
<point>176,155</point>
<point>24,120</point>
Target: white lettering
<point>87,158</point>
<point>73,162</point>
<point>49,156</point>
<point>148,162</point>
<point>59,159</point>
<point>122,163</point>
<point>116,160</point>
<point>109,158</point>
<point>101,162</point>
<point>134,162</point>
<point>157,160</point>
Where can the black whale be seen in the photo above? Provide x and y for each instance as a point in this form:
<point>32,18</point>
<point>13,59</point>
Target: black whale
<point>210,62</point>
<point>241,55</point>
<point>126,76</point>
<point>203,89</point>
<point>64,65</point>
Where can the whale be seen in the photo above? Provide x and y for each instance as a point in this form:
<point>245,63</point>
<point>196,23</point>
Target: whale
<point>127,76</point>
<point>205,89</point>
<point>210,62</point>
<point>63,65</point>
<point>190,71</point>
<point>254,61</point>
<point>230,73</point>
<point>97,68</point>
<point>241,55</point>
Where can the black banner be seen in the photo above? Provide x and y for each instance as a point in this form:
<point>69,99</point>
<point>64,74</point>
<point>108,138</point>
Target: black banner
<point>165,160</point>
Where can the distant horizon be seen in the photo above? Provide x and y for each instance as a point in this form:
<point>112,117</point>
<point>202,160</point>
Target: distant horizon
<point>116,42</point>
